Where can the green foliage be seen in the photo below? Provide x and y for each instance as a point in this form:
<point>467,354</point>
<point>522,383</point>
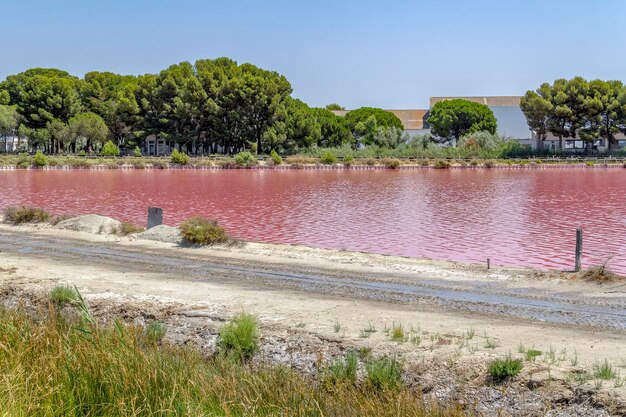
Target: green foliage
<point>137,152</point>
<point>452,119</point>
<point>40,159</point>
<point>88,127</point>
<point>328,158</point>
<point>382,117</point>
<point>26,214</point>
<point>334,106</point>
<point>202,231</point>
<point>342,370</point>
<point>384,373</point>
<point>154,331</point>
<point>276,159</point>
<point>603,371</point>
<point>481,140</point>
<point>239,338</point>
<point>532,354</point>
<point>179,158</point>
<point>63,294</point>
<point>110,149</point>
<point>501,369</point>
<point>245,159</point>
<point>391,163</point>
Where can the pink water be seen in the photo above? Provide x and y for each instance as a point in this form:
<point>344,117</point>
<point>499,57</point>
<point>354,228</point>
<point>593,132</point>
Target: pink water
<point>515,217</point>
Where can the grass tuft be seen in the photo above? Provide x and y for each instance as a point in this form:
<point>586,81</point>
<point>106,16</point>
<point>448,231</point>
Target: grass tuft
<point>384,373</point>
<point>127,228</point>
<point>239,338</point>
<point>502,369</point>
<point>63,294</point>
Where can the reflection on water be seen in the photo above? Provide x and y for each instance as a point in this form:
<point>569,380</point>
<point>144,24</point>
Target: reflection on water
<point>515,217</point>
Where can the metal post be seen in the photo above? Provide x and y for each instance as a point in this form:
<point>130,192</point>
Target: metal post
<point>579,249</point>
<point>155,216</point>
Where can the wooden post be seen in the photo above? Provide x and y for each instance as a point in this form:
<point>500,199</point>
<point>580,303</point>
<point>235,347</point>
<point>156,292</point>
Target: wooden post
<point>155,216</point>
<point>579,249</point>
<point>488,263</point>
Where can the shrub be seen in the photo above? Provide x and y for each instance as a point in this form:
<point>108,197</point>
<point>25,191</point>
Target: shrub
<point>342,370</point>
<point>276,159</point>
<point>589,163</point>
<point>490,164</point>
<point>384,372</point>
<point>348,160</point>
<point>245,159</point>
<point>501,369</point>
<point>328,158</point>
<point>40,159</point>
<point>179,158</point>
<point>239,338</point>
<point>23,161</point>
<point>441,164</point>
<point>26,214</point>
<point>63,294</point>
<point>203,231</point>
<point>397,334</point>
<point>127,228</point>
<point>137,152</point>
<point>110,149</point>
<point>391,163</point>
<point>300,160</point>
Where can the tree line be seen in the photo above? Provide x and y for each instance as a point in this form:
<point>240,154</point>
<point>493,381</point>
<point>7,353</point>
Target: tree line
<point>208,107</point>
<point>577,108</point>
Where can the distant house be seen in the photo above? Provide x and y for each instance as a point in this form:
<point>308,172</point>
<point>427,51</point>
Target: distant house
<point>511,123</point>
<point>12,143</point>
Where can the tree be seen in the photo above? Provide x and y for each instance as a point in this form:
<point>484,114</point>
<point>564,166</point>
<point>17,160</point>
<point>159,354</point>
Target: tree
<point>333,129</point>
<point>334,106</point>
<point>90,127</point>
<point>603,107</point>
<point>537,110</point>
<point>383,118</point>
<point>9,120</point>
<point>452,119</point>
<point>112,97</point>
<point>294,126</point>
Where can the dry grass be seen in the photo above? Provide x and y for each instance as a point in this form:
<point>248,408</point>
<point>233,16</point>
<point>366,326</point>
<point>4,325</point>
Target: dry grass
<point>201,231</point>
<point>599,273</point>
<point>59,364</point>
<point>127,228</point>
<point>26,214</point>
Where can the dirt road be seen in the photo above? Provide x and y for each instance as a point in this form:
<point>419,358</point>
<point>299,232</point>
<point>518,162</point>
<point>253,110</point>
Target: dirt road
<point>449,312</point>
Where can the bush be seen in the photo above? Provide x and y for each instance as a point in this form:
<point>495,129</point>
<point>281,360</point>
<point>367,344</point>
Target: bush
<point>276,159</point>
<point>110,149</point>
<point>40,159</point>
<point>137,152</point>
<point>348,160</point>
<point>179,158</point>
<point>245,159</point>
<point>24,161</point>
<point>26,214</point>
<point>441,164</point>
<point>391,163</point>
<point>490,164</point>
<point>502,369</point>
<point>300,160</point>
<point>384,372</point>
<point>328,158</point>
<point>203,231</point>
<point>127,228</point>
<point>239,338</point>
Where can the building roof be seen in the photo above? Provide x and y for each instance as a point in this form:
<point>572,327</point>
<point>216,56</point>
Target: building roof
<point>491,101</point>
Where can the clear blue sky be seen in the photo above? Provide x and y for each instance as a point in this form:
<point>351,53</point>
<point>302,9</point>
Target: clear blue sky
<point>391,54</point>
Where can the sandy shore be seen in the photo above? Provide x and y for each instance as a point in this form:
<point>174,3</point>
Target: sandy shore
<point>315,304</point>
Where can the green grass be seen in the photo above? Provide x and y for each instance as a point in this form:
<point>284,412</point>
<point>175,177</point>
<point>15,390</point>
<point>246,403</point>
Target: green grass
<point>203,231</point>
<point>342,370</point>
<point>384,373</point>
<point>502,369</point>
<point>397,334</point>
<point>532,354</point>
<point>239,338</point>
<point>62,365</point>
<point>63,294</point>
<point>154,331</point>
<point>26,214</point>
<point>603,371</point>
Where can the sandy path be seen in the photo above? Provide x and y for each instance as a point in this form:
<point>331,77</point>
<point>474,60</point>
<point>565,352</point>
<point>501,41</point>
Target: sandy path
<point>314,291</point>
